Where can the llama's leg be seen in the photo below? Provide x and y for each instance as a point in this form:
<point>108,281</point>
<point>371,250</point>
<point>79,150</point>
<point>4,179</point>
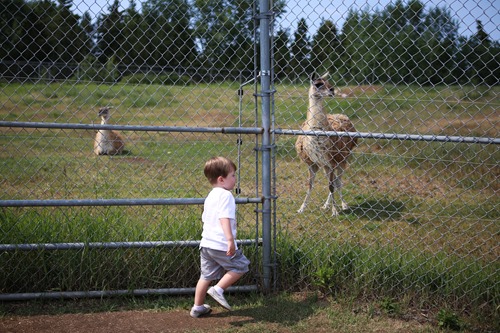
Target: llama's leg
<point>312,174</point>
<point>331,187</point>
<point>338,186</point>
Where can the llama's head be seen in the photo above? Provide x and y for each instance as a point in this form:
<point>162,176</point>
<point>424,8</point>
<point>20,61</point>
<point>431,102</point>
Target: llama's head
<point>320,87</point>
<point>104,113</point>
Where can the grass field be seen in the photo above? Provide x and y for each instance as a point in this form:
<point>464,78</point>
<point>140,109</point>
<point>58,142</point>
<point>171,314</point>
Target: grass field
<point>252,313</point>
<point>422,225</point>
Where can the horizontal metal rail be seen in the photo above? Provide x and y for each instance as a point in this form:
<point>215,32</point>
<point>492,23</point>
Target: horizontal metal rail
<point>137,128</point>
<point>394,136</point>
<point>255,130</point>
<point>112,245</point>
<point>111,293</point>
<point>116,202</point>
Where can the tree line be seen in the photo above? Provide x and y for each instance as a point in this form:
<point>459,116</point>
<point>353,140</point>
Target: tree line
<point>404,43</point>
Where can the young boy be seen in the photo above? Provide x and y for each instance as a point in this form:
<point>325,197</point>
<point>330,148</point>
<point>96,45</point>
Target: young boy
<point>220,257</point>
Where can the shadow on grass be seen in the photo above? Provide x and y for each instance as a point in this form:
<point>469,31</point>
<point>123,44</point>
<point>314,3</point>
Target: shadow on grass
<point>283,311</point>
<point>379,210</point>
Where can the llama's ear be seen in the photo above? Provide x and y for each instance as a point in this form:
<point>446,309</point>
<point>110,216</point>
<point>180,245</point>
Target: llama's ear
<point>325,76</point>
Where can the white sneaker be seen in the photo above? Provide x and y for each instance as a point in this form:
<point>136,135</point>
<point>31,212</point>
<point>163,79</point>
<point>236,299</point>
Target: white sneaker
<point>219,298</point>
<point>197,313</point>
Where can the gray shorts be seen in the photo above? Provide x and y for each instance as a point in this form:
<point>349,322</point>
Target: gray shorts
<point>214,263</point>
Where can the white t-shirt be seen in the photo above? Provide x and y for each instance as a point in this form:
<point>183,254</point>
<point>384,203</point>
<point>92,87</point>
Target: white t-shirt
<point>218,204</point>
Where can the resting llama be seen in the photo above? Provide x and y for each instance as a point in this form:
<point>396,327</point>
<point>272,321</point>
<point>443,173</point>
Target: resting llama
<point>107,142</point>
<point>320,151</point>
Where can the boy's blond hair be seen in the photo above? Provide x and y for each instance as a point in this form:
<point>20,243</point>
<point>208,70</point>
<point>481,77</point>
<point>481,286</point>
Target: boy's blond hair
<point>217,167</point>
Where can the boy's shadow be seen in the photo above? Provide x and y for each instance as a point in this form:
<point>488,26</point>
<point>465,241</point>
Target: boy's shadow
<point>280,310</point>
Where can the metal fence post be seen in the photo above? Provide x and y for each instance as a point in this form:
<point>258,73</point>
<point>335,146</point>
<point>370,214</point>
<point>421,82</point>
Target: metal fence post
<point>265,78</point>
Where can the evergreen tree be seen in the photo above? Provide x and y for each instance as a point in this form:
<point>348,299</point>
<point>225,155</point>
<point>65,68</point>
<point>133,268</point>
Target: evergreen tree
<point>70,41</point>
<point>439,45</point>
<point>354,38</point>
<point>65,3</point>
<point>484,58</point>
<point>38,35</point>
<point>110,34</point>
<point>213,23</point>
<point>224,31</point>
<point>368,51</point>
<point>282,54</point>
<point>132,44</point>
<point>415,14</point>
<point>13,26</point>
<point>241,49</point>
<point>87,34</point>
<point>167,40</point>
<point>403,43</point>
<point>325,48</point>
<point>348,37</point>
<point>301,51</point>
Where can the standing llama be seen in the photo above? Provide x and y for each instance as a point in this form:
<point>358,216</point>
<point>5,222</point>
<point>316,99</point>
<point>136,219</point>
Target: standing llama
<point>327,152</point>
<point>107,142</point>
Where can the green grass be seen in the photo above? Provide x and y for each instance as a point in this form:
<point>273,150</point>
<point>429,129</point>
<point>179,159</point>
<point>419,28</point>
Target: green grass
<point>422,225</point>
<point>101,269</point>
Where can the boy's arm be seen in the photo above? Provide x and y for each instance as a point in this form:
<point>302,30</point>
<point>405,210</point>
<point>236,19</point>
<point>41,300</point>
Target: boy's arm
<point>226,227</point>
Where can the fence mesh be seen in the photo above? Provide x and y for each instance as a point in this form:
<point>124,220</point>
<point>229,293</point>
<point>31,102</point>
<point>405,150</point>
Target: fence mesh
<point>417,79</point>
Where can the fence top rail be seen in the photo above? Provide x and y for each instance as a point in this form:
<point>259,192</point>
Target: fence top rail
<point>227,130</point>
<point>116,202</point>
<point>394,136</point>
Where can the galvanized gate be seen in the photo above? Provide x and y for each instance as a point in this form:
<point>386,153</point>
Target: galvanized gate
<point>109,213</point>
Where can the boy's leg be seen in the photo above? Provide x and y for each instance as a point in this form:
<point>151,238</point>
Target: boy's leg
<point>199,309</point>
<point>201,291</point>
<point>229,279</point>
<point>217,292</point>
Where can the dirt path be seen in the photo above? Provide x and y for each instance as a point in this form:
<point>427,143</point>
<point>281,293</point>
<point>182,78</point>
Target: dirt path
<point>127,321</point>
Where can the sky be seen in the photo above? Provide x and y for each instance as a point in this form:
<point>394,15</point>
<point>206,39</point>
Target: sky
<point>466,12</point>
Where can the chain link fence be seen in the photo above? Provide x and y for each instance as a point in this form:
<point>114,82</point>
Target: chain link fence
<point>182,82</point>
